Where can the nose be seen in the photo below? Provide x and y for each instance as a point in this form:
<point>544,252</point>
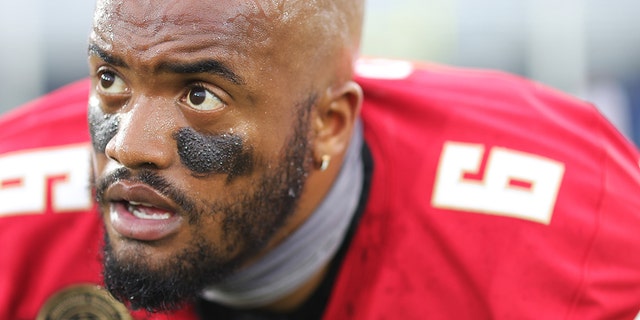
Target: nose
<point>144,137</point>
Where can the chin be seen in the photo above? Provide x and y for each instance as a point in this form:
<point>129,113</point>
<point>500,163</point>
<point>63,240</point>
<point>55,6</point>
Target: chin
<point>160,277</point>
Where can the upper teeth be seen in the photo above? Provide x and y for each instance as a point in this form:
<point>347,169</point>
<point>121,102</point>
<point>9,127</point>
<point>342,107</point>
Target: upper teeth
<point>135,209</point>
<point>135,203</point>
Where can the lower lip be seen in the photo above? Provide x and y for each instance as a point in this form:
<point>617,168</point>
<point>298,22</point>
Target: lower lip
<point>130,226</point>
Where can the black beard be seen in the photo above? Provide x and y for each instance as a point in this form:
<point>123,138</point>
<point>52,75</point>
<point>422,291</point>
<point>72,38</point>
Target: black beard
<point>249,222</point>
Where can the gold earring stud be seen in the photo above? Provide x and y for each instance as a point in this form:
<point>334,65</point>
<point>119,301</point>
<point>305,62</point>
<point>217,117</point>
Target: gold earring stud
<point>326,160</point>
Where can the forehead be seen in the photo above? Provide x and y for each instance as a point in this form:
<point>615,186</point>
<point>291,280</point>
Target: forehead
<point>253,20</point>
<point>257,34</point>
<point>114,20</point>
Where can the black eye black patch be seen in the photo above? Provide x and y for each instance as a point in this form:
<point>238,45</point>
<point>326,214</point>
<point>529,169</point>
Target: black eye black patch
<point>206,154</point>
<point>102,127</point>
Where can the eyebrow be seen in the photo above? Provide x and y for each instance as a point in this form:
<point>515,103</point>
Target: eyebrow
<point>210,66</point>
<point>94,50</point>
<point>203,66</point>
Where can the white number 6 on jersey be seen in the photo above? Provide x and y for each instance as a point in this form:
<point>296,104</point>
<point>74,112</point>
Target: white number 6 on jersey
<point>497,192</point>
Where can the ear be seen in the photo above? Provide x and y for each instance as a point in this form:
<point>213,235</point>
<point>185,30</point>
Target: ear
<point>335,120</point>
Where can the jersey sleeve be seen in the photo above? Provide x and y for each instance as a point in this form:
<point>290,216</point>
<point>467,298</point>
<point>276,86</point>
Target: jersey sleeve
<point>493,197</point>
<point>49,234</point>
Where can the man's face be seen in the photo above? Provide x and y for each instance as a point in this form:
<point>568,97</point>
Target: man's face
<point>200,130</point>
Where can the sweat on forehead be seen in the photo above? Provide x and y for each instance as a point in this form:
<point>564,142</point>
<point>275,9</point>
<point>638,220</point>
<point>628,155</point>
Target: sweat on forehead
<point>341,16</point>
<point>185,12</point>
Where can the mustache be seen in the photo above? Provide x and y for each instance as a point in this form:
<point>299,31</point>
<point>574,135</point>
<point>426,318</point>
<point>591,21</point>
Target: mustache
<point>153,180</point>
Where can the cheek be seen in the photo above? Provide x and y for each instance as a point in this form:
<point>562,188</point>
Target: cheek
<point>102,127</point>
<point>213,154</point>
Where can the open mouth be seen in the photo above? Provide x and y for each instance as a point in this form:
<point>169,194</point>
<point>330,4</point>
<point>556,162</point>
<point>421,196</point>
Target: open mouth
<point>143,221</point>
<point>136,211</point>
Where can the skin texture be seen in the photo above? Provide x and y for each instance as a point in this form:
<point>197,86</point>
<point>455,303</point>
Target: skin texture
<point>217,113</point>
<point>102,128</point>
<point>210,154</point>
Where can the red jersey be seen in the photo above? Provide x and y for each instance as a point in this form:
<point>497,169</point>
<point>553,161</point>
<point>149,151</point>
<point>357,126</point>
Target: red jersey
<point>492,197</point>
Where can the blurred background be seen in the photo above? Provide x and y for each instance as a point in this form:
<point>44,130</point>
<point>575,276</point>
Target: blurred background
<point>589,48</point>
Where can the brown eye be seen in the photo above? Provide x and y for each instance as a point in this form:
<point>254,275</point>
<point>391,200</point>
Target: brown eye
<point>110,83</point>
<point>107,79</point>
<point>200,98</point>
<point>197,96</point>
